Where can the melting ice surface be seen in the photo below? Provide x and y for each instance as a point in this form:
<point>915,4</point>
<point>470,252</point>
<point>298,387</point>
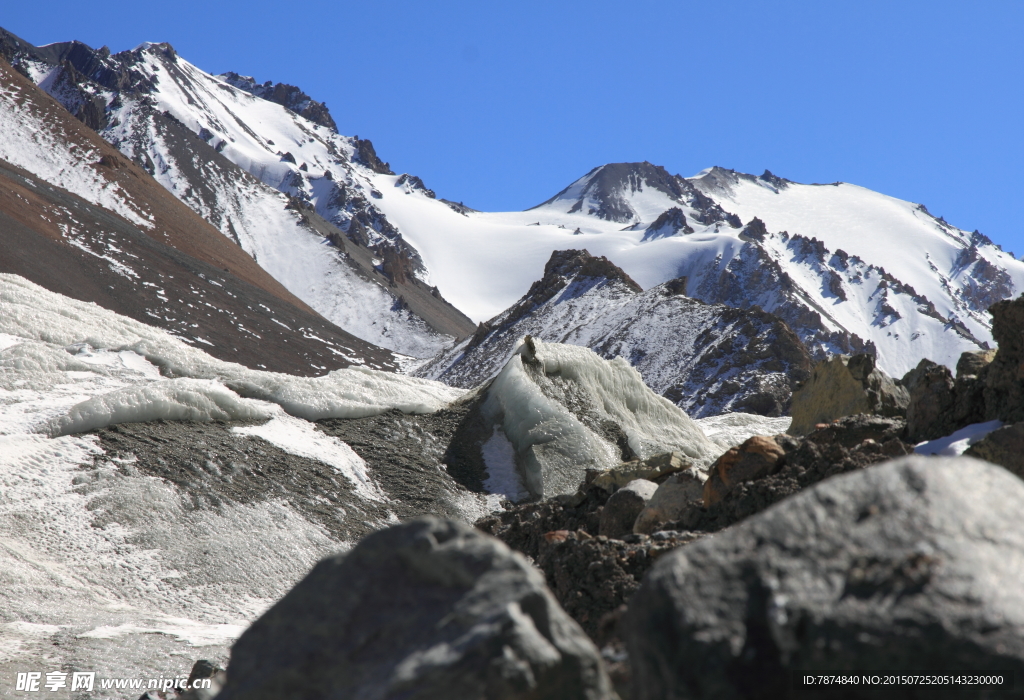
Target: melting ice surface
<point>106,569</point>
<point>552,403</point>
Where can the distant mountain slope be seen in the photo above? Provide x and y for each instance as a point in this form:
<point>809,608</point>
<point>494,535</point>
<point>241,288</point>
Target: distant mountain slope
<point>78,219</point>
<point>707,359</point>
<point>192,132</point>
<point>848,269</point>
<point>853,271</point>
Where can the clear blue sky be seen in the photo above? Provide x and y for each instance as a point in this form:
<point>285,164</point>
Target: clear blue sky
<point>500,105</point>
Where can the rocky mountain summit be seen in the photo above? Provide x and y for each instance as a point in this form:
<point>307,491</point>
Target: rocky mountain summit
<point>707,359</point>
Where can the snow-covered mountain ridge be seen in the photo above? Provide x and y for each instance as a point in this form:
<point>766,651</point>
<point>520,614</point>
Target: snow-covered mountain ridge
<point>80,219</point>
<point>709,359</point>
<point>255,169</point>
<point>848,269</point>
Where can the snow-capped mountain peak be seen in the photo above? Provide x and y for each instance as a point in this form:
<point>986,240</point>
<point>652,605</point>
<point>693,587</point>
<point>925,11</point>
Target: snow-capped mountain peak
<point>633,193</point>
<point>848,269</point>
<point>266,166</point>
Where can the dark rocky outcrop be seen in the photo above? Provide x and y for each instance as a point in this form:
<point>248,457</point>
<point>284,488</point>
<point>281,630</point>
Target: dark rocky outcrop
<point>670,223</point>
<point>1003,379</point>
<point>427,609</point>
<point>366,155</point>
<point>910,565</point>
<point>707,359</point>
<point>930,412</point>
<point>844,386</point>
<point>285,95</point>
<point>1004,446</point>
<point>846,445</point>
<point>988,385</point>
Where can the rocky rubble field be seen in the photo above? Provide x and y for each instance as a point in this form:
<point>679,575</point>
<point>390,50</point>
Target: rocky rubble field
<point>832,548</point>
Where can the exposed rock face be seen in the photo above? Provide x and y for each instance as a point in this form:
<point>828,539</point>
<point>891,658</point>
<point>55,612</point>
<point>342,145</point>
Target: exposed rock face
<point>1004,447</point>
<point>623,507</point>
<point>848,444</point>
<point>913,564</point>
<point>428,609</point>
<point>707,359</point>
<point>930,413</point>
<point>845,386</point>
<point>285,95</point>
<point>1003,378</point>
<point>368,157</point>
<point>988,386</point>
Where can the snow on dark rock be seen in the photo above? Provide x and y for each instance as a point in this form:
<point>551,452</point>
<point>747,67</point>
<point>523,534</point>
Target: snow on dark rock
<point>285,95</point>
<point>708,359</point>
<point>670,223</point>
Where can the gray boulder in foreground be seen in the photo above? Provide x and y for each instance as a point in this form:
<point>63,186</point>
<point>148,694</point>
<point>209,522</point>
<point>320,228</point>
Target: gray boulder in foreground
<point>427,609</point>
<point>917,563</point>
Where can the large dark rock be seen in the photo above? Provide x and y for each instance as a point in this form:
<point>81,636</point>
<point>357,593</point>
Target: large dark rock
<point>988,386</point>
<point>914,564</point>
<point>930,412</point>
<point>1003,378</point>
<point>427,609</point>
<point>1004,447</point>
<point>941,405</point>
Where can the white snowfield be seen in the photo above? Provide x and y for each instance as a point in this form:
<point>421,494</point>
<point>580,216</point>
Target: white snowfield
<point>892,274</point>
<point>483,262</point>
<point>183,382</point>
